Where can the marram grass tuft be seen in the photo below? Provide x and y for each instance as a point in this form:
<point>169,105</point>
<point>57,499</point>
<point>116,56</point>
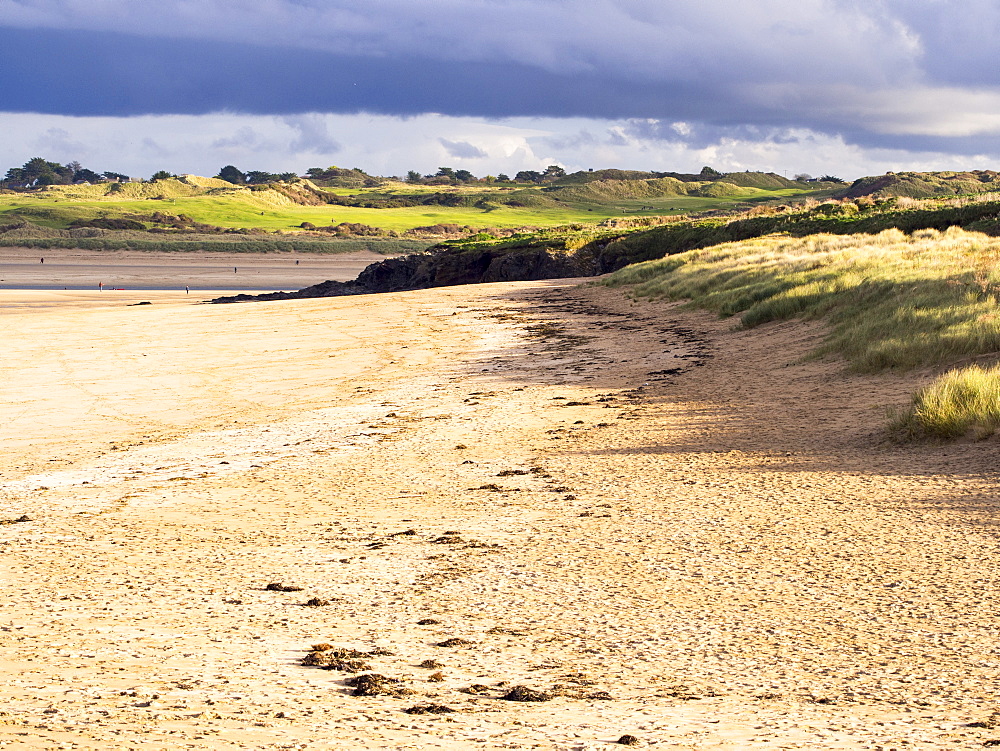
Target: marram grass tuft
<point>959,403</point>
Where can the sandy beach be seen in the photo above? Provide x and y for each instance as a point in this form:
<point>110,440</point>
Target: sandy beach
<point>669,529</point>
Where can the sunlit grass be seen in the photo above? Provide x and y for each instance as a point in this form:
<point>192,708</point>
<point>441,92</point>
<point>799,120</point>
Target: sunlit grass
<point>250,212</point>
<point>892,302</point>
<point>958,403</point>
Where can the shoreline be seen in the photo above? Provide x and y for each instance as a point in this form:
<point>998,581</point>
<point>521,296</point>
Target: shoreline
<point>138,270</point>
<point>675,530</point>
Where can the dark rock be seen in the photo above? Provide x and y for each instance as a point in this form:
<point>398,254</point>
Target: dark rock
<point>444,267</point>
<point>279,587</point>
<point>477,689</point>
<point>523,693</point>
<point>374,684</point>
<point>449,539</point>
<point>332,657</point>
<point>454,642</point>
<point>429,709</point>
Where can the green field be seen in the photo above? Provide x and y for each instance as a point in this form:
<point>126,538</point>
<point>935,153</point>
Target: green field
<point>238,212</point>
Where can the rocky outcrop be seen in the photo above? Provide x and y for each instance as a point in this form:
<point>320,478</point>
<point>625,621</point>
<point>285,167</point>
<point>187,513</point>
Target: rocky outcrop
<point>443,268</point>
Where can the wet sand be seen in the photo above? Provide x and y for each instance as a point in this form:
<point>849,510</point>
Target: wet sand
<point>24,268</point>
<point>674,530</point>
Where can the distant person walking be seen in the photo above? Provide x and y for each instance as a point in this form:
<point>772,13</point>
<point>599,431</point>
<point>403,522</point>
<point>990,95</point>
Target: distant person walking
<point>296,261</point>
<point>234,269</point>
<point>187,290</point>
<point>100,286</point>
<point>41,260</point>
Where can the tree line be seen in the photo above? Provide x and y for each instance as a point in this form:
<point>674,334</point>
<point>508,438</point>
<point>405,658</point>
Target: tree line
<point>38,171</point>
<point>231,174</point>
<point>450,176</point>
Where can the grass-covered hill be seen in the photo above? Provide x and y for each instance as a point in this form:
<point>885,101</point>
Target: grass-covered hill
<point>763,180</point>
<point>173,210</point>
<point>925,184</point>
<point>390,206</point>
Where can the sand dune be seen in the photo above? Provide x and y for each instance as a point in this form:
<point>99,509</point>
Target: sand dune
<point>675,531</point>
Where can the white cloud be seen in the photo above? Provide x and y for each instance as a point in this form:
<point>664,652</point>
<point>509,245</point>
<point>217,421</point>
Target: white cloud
<point>391,146</point>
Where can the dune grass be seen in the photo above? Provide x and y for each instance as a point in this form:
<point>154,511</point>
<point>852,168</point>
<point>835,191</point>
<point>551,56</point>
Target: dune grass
<point>892,302</point>
<point>958,403</point>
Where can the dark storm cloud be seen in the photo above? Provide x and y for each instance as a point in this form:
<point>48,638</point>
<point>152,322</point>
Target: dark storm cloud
<point>879,73</point>
<point>115,74</point>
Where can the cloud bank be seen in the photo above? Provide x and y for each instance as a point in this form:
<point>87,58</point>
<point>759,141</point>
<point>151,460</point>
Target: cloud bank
<point>905,75</point>
<point>388,145</point>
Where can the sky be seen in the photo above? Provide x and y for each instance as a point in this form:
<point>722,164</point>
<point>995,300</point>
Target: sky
<point>844,87</point>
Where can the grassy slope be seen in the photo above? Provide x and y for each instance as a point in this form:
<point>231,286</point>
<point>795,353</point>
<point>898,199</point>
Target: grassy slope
<point>925,184</point>
<point>892,301</point>
<point>836,218</point>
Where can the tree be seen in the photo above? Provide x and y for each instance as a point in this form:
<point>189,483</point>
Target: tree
<point>528,176</point>
<point>444,176</point>
<point>288,177</point>
<point>708,173</point>
<point>36,168</point>
<point>502,178</point>
<point>37,171</point>
<point>830,179</point>
<point>803,177</point>
<point>161,175</point>
<point>85,175</point>
<point>463,175</point>
<point>256,177</point>
<point>116,176</point>
<point>554,172</point>
<point>232,175</point>
<point>413,176</point>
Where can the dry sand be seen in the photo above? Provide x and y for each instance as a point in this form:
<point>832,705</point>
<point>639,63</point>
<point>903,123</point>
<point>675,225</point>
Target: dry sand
<point>678,531</point>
